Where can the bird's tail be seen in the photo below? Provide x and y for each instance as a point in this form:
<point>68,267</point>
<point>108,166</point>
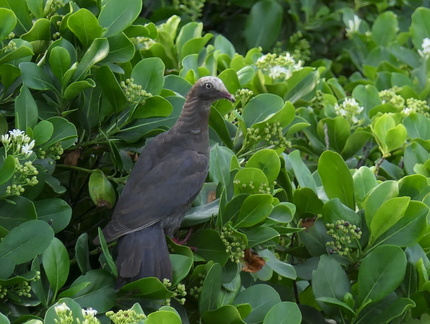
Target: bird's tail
<point>143,254</point>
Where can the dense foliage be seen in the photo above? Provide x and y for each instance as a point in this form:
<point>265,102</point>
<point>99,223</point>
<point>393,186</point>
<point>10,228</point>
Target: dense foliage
<point>317,200</point>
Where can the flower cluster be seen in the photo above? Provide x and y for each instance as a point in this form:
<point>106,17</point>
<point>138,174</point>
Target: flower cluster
<point>426,48</point>
<point>272,134</point>
<point>416,106</point>
<point>134,92</point>
<point>64,314</point>
<point>196,290</point>
<point>301,47</point>
<point>243,96</point>
<point>178,293</point>
<point>192,8</point>
<point>278,67</point>
<point>234,243</point>
<point>351,110</point>
<point>390,96</point>
<point>54,152</point>
<point>89,315</point>
<point>54,6</point>
<point>343,233</point>
<point>125,316</point>
<point>17,144</point>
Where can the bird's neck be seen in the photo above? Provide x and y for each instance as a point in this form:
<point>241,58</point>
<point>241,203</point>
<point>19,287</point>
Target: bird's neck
<point>194,120</point>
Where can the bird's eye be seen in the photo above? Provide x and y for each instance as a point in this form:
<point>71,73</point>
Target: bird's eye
<point>208,85</point>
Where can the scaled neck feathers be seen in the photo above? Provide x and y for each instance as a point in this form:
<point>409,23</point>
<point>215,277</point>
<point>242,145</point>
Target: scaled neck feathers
<point>194,118</point>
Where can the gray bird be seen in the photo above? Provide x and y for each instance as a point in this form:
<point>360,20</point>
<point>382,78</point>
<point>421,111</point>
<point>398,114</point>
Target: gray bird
<point>168,175</point>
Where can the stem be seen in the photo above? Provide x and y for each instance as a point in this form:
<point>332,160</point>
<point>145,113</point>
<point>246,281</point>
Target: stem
<point>65,166</point>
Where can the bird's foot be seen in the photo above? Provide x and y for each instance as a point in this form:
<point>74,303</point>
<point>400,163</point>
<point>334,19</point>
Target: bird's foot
<point>184,240</point>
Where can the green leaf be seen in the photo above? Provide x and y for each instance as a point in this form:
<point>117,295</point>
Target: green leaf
<point>338,131</point>
<point>387,215</point>
<point>161,317</point>
<point>261,107</point>
<point>336,178</point>
<point>261,298</point>
<point>55,260</point>
<point>211,287</point>
<point>98,50</point>
<point>7,169</point>
<point>284,313</point>
<point>16,211</point>
<point>64,132</point>
<point>116,16</point>
<point>39,32</point>
<point>85,26</point>
<point>364,181</point>
<point>255,209</point>
<point>329,280</point>
<point>155,106</point>
<point>26,241</point>
<point>19,7</point>
<point>219,164</point>
<point>55,211</point>
<point>283,269</point>
<point>307,202</point>
<point>59,61</point>
<point>385,28</point>
<point>8,22</point>
<point>181,266</point>
<point>209,245</point>
<point>386,310</point>
<point>121,49</point>
<point>82,253</point>
<point>34,77</point>
<point>26,113</point>
<point>410,229</point>
<point>259,235</point>
<point>227,314</point>
<point>259,29</point>
<point>42,132</point>
<point>380,273</point>
<point>149,288</point>
<point>77,87</point>
<point>268,161</point>
<point>99,294</point>
<point>377,196</point>
<point>149,73</point>
<point>302,173</point>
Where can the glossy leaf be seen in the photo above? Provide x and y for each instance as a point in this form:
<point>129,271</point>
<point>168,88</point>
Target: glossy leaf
<point>26,241</point>
<point>55,211</point>
<point>336,178</point>
<point>380,273</point>
<point>268,161</point>
<point>284,313</point>
<point>8,20</point>
<point>7,169</point>
<point>149,73</point>
<point>116,16</point>
<point>85,26</point>
<point>255,209</point>
<point>260,31</point>
<point>55,260</point>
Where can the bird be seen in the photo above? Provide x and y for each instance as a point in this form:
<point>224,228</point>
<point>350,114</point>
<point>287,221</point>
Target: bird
<point>163,183</point>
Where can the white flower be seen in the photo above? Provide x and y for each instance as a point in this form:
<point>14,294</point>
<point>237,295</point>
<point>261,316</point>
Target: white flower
<point>278,71</point>
<point>353,25</point>
<point>16,133</point>
<point>426,48</point>
<point>350,109</point>
<point>62,308</point>
<point>27,148</point>
<point>89,312</point>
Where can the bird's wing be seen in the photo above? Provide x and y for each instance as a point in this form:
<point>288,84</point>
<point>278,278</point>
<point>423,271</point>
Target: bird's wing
<point>167,188</point>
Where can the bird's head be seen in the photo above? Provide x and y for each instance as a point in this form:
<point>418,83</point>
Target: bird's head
<point>211,88</point>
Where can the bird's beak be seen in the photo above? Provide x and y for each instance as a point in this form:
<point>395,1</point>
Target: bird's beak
<point>229,97</point>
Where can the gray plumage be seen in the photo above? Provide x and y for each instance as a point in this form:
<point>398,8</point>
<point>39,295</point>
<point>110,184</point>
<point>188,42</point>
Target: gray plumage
<point>163,183</point>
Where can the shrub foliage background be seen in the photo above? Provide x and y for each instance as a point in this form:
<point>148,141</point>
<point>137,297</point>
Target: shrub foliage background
<point>321,167</point>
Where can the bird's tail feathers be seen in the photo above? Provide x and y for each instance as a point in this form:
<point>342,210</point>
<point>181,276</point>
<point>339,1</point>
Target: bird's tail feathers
<point>143,254</point>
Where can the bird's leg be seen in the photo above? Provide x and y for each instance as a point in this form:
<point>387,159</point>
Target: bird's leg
<point>183,241</point>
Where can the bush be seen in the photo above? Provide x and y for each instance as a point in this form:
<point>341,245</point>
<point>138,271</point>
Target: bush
<point>317,200</point>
